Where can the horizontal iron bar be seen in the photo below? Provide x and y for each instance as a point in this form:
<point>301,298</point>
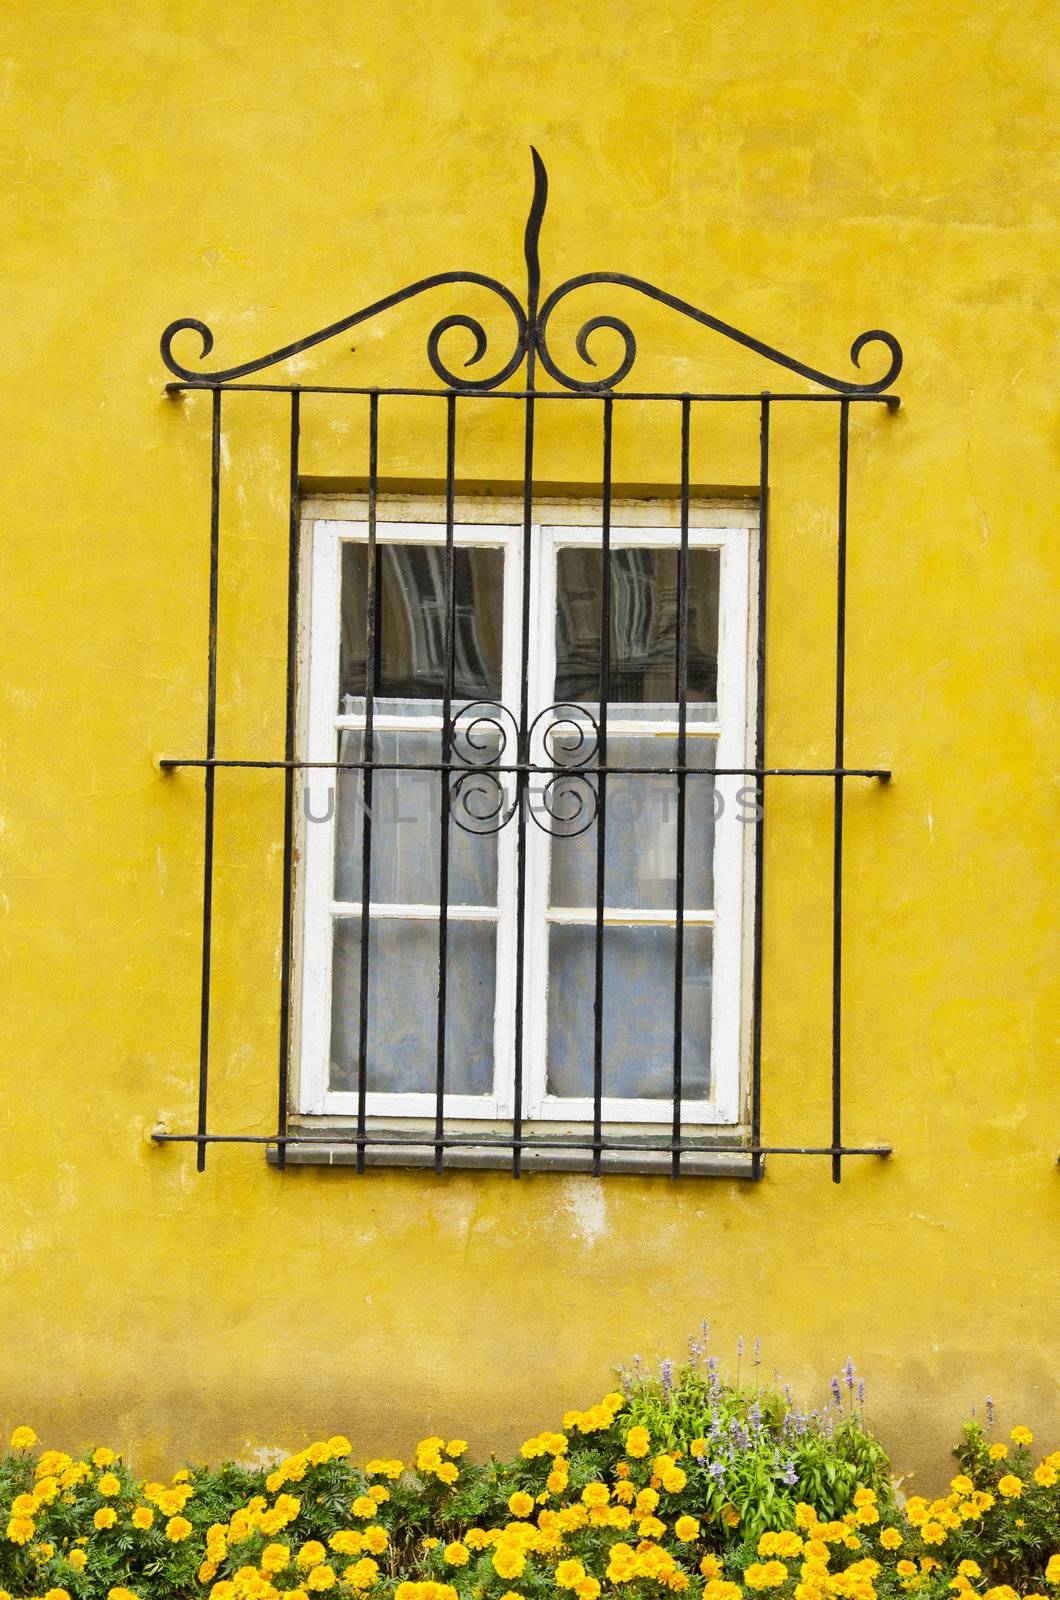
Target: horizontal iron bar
<point>523,1142</point>
<point>171,763</point>
<point>891,401</point>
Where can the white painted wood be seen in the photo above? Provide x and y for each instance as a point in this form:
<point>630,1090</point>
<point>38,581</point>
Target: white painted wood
<point>726,917</point>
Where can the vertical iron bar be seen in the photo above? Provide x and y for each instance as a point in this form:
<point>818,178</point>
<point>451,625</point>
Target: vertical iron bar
<point>288,786</point>
<point>760,787</point>
<point>371,665</point>
<point>681,691</point>
<point>211,750</point>
<point>837,829</point>
<point>601,813</point>
<point>522,777</point>
<point>447,702</point>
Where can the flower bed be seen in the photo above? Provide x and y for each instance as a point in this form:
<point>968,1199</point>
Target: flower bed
<point>681,1482</point>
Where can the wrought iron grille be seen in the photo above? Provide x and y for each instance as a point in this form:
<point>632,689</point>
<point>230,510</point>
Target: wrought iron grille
<point>491,755</point>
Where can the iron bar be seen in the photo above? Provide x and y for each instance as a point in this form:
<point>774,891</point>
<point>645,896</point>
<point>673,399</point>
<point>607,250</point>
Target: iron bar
<point>837,833</point>
<point>883,774</point>
<point>209,780</point>
<point>760,791</point>
<point>447,740</point>
<point>601,815</point>
<point>525,1141</point>
<point>749,397</point>
<point>681,690</point>
<point>371,673</point>
<point>290,691</point>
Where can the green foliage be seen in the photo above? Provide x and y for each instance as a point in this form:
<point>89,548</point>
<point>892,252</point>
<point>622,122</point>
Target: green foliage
<point>686,1481</point>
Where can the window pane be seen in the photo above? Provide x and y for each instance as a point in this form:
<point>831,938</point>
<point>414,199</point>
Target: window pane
<point>403,1006</point>
<point>641,835</point>
<point>638,1032</point>
<point>643,627</point>
<point>411,622</point>
<point>406,828</point>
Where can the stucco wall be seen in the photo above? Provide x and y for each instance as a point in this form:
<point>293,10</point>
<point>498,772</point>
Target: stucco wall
<point>805,171</point>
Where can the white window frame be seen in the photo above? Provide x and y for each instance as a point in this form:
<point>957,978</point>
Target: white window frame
<point>728,917</point>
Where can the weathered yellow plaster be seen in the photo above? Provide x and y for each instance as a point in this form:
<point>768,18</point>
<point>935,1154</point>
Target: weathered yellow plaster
<point>805,171</point>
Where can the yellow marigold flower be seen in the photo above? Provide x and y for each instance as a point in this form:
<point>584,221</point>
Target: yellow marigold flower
<point>1010,1486</point>
<point>376,1539</point>
<point>1052,1569</point>
<point>596,1494</point>
<point>998,1452</point>
<point>475,1539</point>
<point>638,1442</point>
<point>456,1447</point>
<point>207,1571</point>
<point>906,1569</point>
<point>569,1574</point>
<point>380,1493</point>
<point>177,1529</point>
<point>556,1482</point>
<point>274,1481</point>
<point>891,1539</point>
<point>64,1594</point>
<point>311,1554</point>
<point>363,1506</point>
<point>1021,1435</point>
<point>109,1484</point>
<point>864,1497</point>
<point>142,1517</point>
<point>102,1457</point>
<point>962,1484</point>
<point>78,1560</point>
<point>928,1563</point>
<point>275,1557</point>
<point>520,1504</point>
<point>23,1438</point>
<point>457,1554</point>
<point>508,1563</point>
<point>118,1593</point>
<point>933,1533</point>
<point>363,1573</point>
<point>710,1567</point>
<point>674,1480</point>
<point>106,1517</point>
<point>686,1529</point>
<point>1001,1591</point>
<point>1045,1474</point>
<point>765,1575</point>
<point>447,1472</point>
<point>322,1577</point>
<point>969,1569</point>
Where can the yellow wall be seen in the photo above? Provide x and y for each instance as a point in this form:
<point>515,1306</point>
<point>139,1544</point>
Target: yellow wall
<point>804,170</point>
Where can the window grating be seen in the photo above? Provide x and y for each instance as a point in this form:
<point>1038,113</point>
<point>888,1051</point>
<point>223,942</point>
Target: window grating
<point>494,757</point>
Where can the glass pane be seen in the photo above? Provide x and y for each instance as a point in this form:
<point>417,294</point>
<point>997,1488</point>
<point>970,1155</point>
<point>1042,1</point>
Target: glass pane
<point>641,834</point>
<point>643,627</point>
<point>406,827</point>
<point>638,1033</point>
<point>411,622</point>
<point>403,1006</point>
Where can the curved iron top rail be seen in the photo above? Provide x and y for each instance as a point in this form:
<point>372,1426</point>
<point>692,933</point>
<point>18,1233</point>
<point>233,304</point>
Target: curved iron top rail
<point>531,330</point>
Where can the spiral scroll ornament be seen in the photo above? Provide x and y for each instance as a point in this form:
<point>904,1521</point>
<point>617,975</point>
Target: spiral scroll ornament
<point>531,343</point>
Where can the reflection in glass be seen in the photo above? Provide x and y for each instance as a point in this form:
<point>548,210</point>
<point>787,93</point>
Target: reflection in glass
<point>403,1006</point>
<point>638,1016</point>
<point>644,609</point>
<point>410,635</point>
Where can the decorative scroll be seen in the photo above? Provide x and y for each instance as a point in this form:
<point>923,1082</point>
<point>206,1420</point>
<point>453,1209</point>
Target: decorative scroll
<point>531,330</point>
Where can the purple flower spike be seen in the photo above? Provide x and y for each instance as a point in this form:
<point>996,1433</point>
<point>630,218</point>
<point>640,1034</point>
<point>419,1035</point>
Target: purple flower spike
<point>989,1411</point>
<point>837,1393</point>
<point>861,1391</point>
<point>848,1373</point>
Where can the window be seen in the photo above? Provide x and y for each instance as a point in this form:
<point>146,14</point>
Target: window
<point>433,820</point>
